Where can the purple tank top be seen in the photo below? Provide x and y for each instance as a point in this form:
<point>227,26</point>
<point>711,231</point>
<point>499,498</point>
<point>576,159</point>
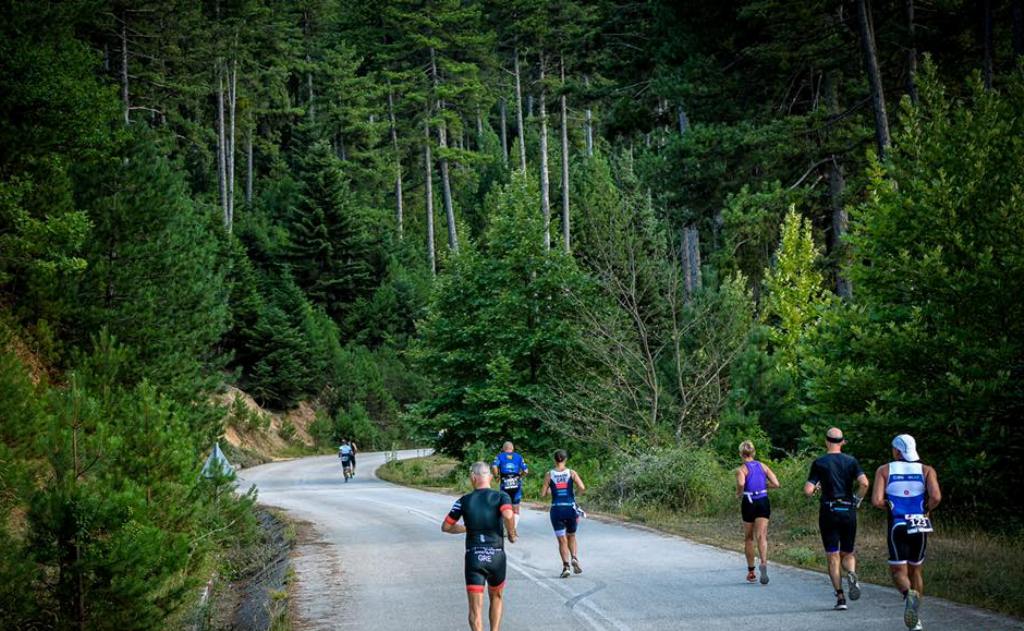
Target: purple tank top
<point>756,485</point>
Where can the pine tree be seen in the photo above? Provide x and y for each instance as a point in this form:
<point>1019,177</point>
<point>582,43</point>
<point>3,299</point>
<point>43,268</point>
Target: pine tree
<point>330,250</point>
<point>154,279</point>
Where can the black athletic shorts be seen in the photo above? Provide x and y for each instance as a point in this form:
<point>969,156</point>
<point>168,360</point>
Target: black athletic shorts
<point>756,509</point>
<point>906,548</point>
<point>485,565</point>
<point>838,528</point>
<point>564,520</point>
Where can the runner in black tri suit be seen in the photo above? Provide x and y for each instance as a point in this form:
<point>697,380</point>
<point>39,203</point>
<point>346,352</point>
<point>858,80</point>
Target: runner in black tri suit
<point>486,514</point>
<point>834,475</point>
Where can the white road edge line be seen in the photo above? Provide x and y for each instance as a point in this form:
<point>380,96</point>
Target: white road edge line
<point>540,582</point>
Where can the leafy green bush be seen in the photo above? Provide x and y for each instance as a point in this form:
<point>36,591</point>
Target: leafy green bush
<point>681,478</point>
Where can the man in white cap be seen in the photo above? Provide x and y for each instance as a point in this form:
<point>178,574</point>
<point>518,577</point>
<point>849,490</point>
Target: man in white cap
<point>908,491</point>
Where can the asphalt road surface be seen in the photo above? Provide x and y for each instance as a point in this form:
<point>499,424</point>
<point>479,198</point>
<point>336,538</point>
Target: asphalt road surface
<point>381,563</point>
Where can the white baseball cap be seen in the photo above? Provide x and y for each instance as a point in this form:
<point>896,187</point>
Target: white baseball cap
<point>907,446</point>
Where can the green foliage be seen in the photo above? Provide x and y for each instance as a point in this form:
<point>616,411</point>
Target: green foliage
<point>355,424</point>
<point>154,278</point>
<point>242,417</point>
<point>114,506</point>
<point>680,478</point>
<point>767,397</point>
<point>933,344</point>
<point>287,431</point>
<point>498,329</point>
<point>330,250</point>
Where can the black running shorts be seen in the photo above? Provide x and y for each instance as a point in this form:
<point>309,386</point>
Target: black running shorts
<point>751,510</point>
<point>906,548</point>
<point>564,520</point>
<point>838,529</point>
<point>485,565</point>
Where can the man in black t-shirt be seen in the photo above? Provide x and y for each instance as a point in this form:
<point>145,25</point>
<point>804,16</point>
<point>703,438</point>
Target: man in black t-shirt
<point>833,475</point>
<point>486,514</point>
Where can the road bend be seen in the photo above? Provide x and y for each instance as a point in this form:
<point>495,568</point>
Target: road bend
<point>381,563</point>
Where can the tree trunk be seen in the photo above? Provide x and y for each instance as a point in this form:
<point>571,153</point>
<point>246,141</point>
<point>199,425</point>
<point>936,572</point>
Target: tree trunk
<point>221,148</point>
<point>399,210</point>
<point>428,163</point>
<point>867,44</point>
<point>690,255</point>
<point>124,68</point>
<point>911,52</point>
<point>565,164</point>
<point>986,35</point>
<point>1017,28</point>
<point>684,121</point>
<point>545,182</point>
<point>479,130</point>
<point>309,91</point>
<point>504,133</point>
<point>588,125</point>
<point>529,106</point>
<point>519,115</point>
<point>446,185</point>
<point>248,167</point>
<point>837,184</point>
<point>230,161</point>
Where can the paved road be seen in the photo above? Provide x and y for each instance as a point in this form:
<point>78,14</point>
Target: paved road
<point>382,564</point>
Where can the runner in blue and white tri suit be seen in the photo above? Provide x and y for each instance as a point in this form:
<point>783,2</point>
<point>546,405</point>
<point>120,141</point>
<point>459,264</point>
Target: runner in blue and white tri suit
<point>510,468</point>
<point>562,483</point>
<point>908,491</point>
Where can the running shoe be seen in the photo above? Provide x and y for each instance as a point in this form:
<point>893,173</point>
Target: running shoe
<point>913,603</point>
<point>576,566</point>
<point>751,577</point>
<point>840,603</point>
<point>854,585</point>
<point>764,574</point>
<point>918,626</point>
<point>566,572</point>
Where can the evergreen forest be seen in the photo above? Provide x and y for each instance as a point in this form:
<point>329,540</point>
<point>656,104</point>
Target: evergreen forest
<point>629,228</point>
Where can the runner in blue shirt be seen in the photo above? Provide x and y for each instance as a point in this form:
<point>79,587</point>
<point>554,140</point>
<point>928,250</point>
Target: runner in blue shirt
<point>510,468</point>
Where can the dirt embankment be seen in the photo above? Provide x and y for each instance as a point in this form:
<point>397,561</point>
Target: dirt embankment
<point>255,435</point>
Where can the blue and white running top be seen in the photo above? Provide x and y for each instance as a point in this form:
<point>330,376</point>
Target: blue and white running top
<point>906,490</point>
<point>563,489</point>
<point>511,467</point>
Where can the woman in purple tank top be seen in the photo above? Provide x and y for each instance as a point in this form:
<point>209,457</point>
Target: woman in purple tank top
<point>753,479</point>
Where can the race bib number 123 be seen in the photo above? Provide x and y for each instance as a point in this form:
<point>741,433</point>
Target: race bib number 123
<point>918,523</point>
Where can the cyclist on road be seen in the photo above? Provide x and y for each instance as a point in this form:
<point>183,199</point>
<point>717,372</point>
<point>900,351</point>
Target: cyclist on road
<point>908,491</point>
<point>833,475</point>
<point>510,468</point>
<point>486,515</point>
<point>347,455</point>
<point>753,479</point>
<point>561,483</point>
